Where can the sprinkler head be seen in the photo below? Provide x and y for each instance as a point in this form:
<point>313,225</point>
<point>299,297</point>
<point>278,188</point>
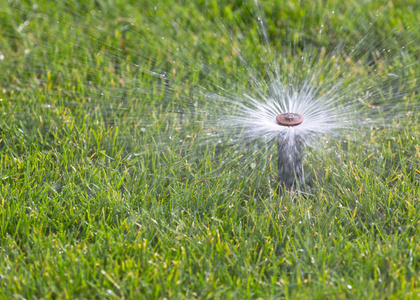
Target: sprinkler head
<point>289,119</point>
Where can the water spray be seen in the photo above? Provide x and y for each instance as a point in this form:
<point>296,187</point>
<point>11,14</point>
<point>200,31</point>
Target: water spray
<point>290,171</point>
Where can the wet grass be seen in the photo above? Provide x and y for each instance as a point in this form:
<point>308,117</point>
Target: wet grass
<point>110,188</point>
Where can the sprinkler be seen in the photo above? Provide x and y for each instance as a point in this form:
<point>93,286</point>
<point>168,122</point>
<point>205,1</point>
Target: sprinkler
<point>290,171</point>
<point>289,119</point>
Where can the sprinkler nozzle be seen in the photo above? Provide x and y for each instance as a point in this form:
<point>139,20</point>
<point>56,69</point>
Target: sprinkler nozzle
<point>289,119</point>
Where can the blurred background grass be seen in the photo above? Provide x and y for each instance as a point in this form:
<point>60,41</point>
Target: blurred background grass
<point>101,197</point>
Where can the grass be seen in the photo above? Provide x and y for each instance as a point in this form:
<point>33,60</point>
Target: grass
<point>110,188</point>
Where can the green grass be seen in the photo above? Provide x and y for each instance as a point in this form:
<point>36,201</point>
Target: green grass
<point>97,202</point>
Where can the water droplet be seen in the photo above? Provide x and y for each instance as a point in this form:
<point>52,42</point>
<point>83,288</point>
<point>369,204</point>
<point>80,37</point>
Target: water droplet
<point>253,166</point>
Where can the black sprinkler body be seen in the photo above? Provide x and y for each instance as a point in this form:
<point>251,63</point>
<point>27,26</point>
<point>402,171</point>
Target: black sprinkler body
<point>290,170</point>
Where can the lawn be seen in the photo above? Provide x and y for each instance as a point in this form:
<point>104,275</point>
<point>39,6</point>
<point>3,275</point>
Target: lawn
<point>120,180</point>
